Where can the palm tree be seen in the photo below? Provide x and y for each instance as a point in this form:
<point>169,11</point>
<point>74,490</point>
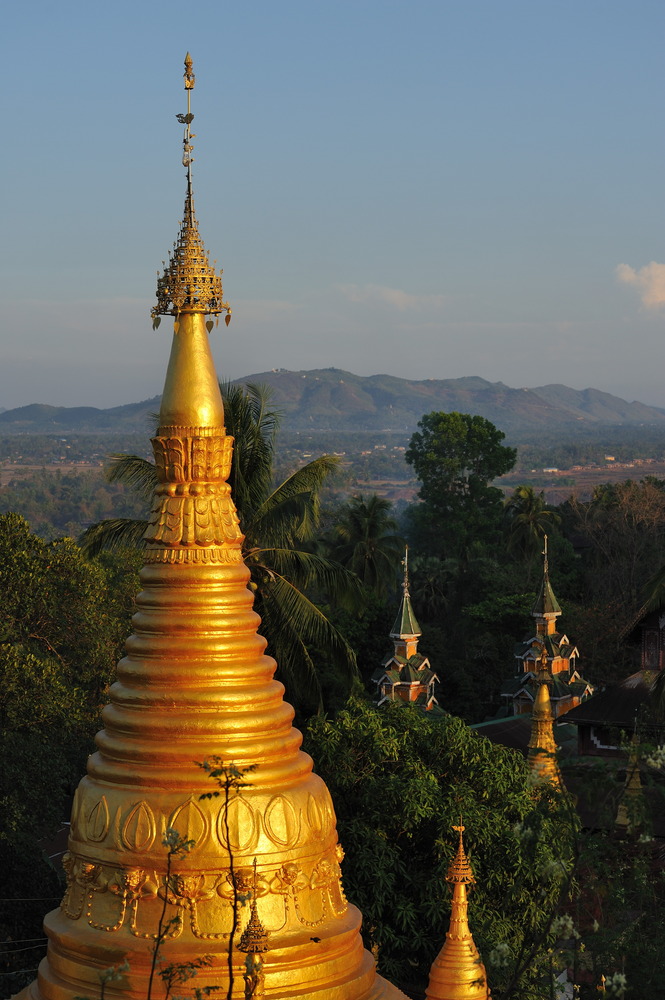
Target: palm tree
<point>364,540</point>
<point>528,519</point>
<point>277,521</point>
<point>432,582</point>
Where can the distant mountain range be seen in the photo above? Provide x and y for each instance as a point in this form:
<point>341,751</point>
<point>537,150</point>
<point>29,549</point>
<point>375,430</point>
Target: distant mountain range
<point>331,399</point>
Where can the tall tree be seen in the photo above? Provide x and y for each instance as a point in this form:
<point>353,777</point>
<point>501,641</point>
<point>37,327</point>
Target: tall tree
<point>624,527</point>
<point>278,521</point>
<point>456,456</point>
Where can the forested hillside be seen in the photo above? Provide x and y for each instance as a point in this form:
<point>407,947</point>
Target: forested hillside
<point>332,399</point>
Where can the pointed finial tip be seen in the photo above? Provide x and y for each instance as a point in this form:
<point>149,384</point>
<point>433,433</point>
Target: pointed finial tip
<point>190,79</point>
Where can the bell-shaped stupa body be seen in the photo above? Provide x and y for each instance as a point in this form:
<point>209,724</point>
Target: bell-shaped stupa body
<point>196,684</point>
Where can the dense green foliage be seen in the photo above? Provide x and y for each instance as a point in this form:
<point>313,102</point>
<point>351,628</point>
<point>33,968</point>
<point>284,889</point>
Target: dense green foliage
<point>549,895</point>
<point>400,781</point>
<point>65,503</point>
<point>63,621</point>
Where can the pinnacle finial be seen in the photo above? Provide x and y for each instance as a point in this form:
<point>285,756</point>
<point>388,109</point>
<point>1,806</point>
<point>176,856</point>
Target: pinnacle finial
<point>190,79</point>
<point>189,283</point>
<point>405,563</point>
<point>254,938</point>
<point>460,870</point>
<point>546,602</point>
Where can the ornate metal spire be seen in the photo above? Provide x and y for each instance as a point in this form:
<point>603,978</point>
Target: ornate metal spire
<point>254,942</point>
<point>406,623</point>
<point>546,607</point>
<point>189,283</point>
<point>458,972</point>
<point>254,938</point>
<point>460,870</point>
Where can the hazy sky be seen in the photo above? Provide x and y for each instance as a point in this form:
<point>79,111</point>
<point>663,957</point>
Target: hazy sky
<point>427,189</point>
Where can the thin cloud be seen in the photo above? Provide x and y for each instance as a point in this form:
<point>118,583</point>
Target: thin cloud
<point>649,280</point>
<point>395,298</point>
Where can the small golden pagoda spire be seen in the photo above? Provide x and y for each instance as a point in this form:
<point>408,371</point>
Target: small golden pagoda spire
<point>458,972</point>
<point>195,684</point>
<point>542,746</point>
<point>254,942</point>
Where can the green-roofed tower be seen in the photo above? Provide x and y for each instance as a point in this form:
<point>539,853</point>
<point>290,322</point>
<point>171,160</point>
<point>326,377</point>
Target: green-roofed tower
<point>406,626</point>
<point>567,687</point>
<point>546,609</point>
<point>406,675</point>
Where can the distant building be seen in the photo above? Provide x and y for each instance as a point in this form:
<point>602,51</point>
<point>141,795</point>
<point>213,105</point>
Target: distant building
<point>648,630</point>
<point>405,674</point>
<point>567,687</point>
<point>606,720</point>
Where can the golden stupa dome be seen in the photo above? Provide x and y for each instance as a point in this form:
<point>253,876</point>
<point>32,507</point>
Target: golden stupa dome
<point>248,878</point>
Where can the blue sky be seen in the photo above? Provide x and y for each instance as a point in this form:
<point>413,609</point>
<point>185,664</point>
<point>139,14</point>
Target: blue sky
<point>431,189</point>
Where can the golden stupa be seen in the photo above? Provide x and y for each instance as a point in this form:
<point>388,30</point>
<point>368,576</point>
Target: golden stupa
<point>458,972</point>
<point>541,757</point>
<point>258,892</point>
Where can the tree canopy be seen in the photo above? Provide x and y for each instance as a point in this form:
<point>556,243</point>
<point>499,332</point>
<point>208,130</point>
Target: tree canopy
<point>364,540</point>
<point>400,780</point>
<point>63,622</point>
<point>456,455</point>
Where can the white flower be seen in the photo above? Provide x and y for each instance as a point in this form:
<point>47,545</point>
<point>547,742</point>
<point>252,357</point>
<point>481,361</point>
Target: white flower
<point>562,927</point>
<point>657,758</point>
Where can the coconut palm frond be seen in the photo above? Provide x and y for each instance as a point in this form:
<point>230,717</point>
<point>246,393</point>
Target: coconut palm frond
<point>116,533</point>
<point>137,473</point>
<point>286,611</point>
<point>279,525</point>
<point>309,570</point>
<point>297,499</point>
<point>655,591</point>
<point>364,541</point>
<point>253,426</point>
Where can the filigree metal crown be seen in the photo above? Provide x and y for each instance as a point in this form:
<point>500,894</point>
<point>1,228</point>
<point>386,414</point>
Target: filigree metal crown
<point>189,283</point>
